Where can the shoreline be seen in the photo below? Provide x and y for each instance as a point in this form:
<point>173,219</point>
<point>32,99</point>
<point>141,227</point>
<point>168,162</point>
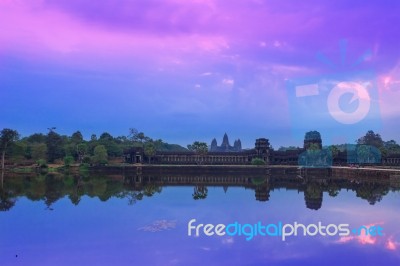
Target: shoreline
<point>153,169</point>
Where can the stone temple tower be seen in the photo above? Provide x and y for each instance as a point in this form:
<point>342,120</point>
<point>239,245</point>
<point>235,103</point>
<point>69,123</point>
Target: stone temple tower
<point>225,143</point>
<point>312,138</point>
<point>214,145</point>
<point>237,145</point>
<point>225,146</point>
<point>262,149</point>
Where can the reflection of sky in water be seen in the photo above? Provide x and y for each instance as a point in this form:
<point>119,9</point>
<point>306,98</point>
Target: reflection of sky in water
<point>115,233</point>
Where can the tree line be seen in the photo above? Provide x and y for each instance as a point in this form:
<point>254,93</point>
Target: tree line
<point>56,148</point>
<point>371,139</point>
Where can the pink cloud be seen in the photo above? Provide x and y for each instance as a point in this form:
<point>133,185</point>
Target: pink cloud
<point>37,32</point>
<point>389,89</point>
<point>363,238</point>
<point>391,245</point>
<point>386,241</point>
<point>256,44</point>
<point>162,33</point>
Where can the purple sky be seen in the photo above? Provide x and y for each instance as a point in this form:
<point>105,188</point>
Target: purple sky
<point>190,70</point>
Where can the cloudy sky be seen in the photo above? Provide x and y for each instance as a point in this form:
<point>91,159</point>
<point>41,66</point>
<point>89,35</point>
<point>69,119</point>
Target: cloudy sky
<point>192,70</point>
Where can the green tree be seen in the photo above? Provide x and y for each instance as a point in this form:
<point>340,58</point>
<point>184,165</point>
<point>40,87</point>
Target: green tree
<point>77,137</point>
<point>41,163</point>
<point>368,154</point>
<point>123,142</point>
<point>383,151</point>
<point>81,150</point>
<point>100,155</point>
<point>149,150</point>
<point>112,147</point>
<point>7,136</point>
<point>92,144</point>
<point>198,147</point>
<point>141,137</point>
<point>106,137</point>
<point>17,151</point>
<point>133,134</point>
<point>55,145</point>
<point>363,153</point>
<point>69,149</point>
<point>93,137</point>
<point>137,136</point>
<point>158,144</point>
<point>68,160</point>
<point>39,151</point>
<point>372,139</point>
<point>334,151</point>
<point>36,138</point>
<point>257,161</point>
<point>392,147</point>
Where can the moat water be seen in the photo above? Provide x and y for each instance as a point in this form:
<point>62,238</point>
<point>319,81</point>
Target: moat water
<point>143,220</point>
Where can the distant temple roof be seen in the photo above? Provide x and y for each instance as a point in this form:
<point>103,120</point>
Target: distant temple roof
<point>225,146</point>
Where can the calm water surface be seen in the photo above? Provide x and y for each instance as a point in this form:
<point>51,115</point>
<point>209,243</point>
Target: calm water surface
<point>115,220</point>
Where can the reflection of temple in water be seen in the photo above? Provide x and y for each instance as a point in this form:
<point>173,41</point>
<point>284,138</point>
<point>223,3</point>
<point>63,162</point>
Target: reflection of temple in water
<point>313,196</point>
<point>137,186</point>
<point>262,193</point>
<point>312,185</point>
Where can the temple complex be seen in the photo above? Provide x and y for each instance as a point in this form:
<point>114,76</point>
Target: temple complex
<point>225,146</point>
<point>311,155</point>
<point>226,156</point>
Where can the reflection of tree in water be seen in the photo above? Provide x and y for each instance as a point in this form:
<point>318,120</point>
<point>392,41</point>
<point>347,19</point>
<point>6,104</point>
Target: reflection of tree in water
<point>200,192</point>
<point>36,188</point>
<point>96,187</point>
<point>53,186</point>
<point>77,190</point>
<point>131,195</point>
<point>258,180</point>
<point>74,198</point>
<point>102,187</point>
<point>54,189</point>
<point>372,192</point>
<point>333,189</point>
<point>136,195</point>
<point>7,200</point>
<point>150,189</point>
<point>313,196</point>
